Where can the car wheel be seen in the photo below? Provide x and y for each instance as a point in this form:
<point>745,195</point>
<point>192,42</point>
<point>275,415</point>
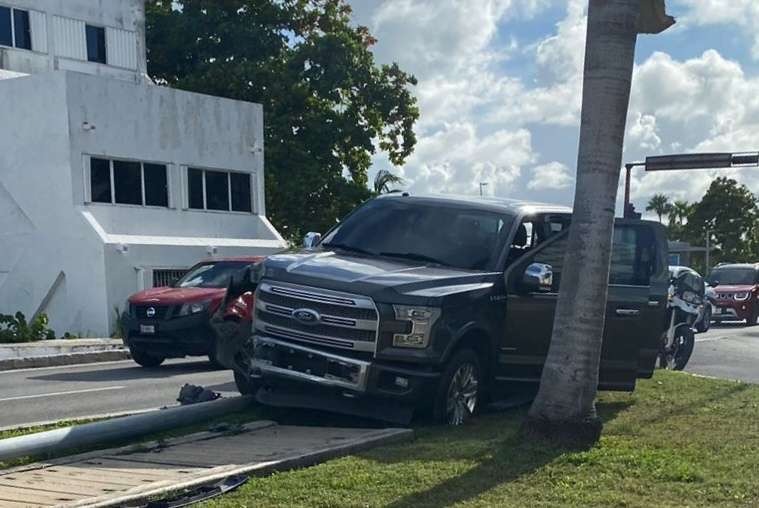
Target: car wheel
<point>458,393</point>
<point>145,359</point>
<point>245,385</point>
<point>706,323</point>
<point>751,321</point>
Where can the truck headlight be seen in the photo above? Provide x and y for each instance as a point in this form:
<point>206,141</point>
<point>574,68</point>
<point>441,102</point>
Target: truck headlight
<point>193,308</point>
<point>421,319</point>
<point>741,297</point>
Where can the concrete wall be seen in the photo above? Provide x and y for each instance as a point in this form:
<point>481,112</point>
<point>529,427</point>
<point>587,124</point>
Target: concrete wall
<point>77,260</point>
<point>42,249</point>
<point>55,49</point>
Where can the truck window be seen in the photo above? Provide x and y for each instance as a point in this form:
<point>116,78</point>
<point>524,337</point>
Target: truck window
<point>633,258</point>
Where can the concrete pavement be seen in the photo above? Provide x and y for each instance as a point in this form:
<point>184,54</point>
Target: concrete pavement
<point>728,351</point>
<point>42,395</point>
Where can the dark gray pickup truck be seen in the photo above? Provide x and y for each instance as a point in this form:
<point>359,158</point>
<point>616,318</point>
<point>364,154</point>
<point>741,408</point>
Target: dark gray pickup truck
<point>439,303</point>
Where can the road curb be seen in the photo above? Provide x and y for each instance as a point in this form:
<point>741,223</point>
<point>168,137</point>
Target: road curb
<point>65,359</point>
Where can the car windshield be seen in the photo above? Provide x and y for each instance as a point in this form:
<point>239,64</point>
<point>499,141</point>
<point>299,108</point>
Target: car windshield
<point>733,277</point>
<point>429,231</point>
<point>210,275</point>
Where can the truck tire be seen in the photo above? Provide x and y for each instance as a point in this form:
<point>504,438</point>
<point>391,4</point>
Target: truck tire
<point>245,386</point>
<point>751,321</point>
<point>145,359</point>
<point>458,394</point>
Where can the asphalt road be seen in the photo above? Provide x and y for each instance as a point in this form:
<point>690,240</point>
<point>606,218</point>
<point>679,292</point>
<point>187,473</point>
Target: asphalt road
<point>43,395</point>
<point>729,351</point>
<point>47,394</point>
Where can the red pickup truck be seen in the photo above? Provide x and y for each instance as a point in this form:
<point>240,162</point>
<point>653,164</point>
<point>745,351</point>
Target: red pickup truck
<point>174,321</point>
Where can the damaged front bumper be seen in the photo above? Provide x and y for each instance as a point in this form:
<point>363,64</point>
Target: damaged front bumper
<point>293,375</point>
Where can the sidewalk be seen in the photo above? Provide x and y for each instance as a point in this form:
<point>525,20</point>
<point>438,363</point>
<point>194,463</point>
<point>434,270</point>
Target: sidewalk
<point>126,475</point>
<point>48,353</point>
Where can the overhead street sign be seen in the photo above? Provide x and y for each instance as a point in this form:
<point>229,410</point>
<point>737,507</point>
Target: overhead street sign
<point>701,161</point>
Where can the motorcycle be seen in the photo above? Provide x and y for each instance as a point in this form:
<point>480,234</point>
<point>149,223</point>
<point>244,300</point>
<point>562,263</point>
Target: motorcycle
<point>685,302</point>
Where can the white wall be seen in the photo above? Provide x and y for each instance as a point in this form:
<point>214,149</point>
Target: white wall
<point>58,37</point>
<point>47,227</point>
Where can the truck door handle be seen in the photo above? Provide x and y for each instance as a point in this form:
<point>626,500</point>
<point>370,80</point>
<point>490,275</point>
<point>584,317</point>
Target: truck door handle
<point>628,312</point>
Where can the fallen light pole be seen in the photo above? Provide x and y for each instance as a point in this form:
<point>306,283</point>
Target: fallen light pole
<point>117,429</point>
<point>691,161</point>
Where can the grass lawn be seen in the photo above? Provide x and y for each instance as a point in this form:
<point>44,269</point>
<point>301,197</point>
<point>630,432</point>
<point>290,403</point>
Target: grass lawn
<point>677,441</point>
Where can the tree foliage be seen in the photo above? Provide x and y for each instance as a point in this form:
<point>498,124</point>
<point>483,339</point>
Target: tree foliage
<point>327,105</point>
<point>660,205</point>
<point>729,212</point>
<point>384,180</point>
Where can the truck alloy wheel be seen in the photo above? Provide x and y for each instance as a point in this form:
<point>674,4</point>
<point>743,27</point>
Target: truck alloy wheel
<point>459,390</point>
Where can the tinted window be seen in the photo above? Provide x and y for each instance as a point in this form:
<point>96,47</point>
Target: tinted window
<point>633,258</point>
<point>733,276</point>
<point>6,38</point>
<point>127,182</point>
<point>23,31</point>
<point>458,236</point>
<point>210,275</point>
<point>241,192</point>
<point>217,190</point>
<point>100,180</point>
<point>195,188</point>
<point>156,188</point>
<point>96,44</point>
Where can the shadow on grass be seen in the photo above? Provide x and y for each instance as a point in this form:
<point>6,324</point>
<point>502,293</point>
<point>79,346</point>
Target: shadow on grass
<point>507,456</point>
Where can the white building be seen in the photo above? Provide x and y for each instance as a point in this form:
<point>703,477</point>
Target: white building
<point>108,182</point>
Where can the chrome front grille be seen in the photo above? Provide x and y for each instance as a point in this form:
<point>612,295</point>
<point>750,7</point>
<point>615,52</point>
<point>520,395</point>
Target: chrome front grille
<point>338,319</point>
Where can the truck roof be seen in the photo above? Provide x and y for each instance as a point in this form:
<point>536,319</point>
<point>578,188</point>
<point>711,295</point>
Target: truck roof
<point>514,206</point>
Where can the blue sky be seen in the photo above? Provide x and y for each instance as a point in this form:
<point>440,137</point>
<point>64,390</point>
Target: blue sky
<point>500,83</point>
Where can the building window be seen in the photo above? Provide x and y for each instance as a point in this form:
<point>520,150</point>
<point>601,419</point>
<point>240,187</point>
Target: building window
<point>128,182</point>
<point>219,190</point>
<point>15,28</point>
<point>96,44</point>
<point>164,278</point>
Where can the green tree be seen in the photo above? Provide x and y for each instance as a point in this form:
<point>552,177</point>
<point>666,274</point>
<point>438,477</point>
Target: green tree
<point>678,216</point>
<point>327,105</point>
<point>729,211</point>
<point>384,179</point>
<point>659,204</point>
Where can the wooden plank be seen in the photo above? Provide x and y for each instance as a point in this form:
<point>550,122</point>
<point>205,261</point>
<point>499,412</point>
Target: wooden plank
<point>80,488</point>
<point>36,498</point>
<point>111,483</point>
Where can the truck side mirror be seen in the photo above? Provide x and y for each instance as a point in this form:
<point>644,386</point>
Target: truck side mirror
<point>537,278</point>
<point>311,240</point>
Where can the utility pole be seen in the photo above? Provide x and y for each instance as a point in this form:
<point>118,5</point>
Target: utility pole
<point>708,250</point>
<point>482,185</point>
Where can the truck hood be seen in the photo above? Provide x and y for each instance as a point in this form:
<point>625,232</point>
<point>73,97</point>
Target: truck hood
<point>370,275</point>
<point>175,296</point>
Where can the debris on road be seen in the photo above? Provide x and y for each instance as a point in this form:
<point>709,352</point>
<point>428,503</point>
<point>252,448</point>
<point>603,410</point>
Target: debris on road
<point>192,394</point>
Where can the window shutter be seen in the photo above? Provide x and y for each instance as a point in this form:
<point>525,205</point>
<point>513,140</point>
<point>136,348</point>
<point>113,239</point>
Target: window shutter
<point>70,38</point>
<point>121,46</point>
<point>38,26</point>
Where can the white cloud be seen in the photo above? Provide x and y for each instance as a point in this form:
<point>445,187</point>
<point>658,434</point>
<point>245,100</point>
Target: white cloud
<point>553,175</point>
<point>700,104</point>
<point>733,13</point>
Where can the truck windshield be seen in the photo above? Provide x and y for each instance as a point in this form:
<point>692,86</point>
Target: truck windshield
<point>210,275</point>
<point>733,277</point>
<point>425,231</point>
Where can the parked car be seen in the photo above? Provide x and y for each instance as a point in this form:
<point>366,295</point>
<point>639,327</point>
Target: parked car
<point>737,292</point>
<point>174,321</point>
<point>439,303</point>
<point>692,279</point>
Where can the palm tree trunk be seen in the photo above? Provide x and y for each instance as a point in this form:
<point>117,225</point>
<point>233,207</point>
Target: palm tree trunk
<point>565,404</point>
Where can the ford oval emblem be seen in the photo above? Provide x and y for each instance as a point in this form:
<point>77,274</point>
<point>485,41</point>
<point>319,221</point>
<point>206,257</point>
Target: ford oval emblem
<point>306,316</point>
<point>150,312</point>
